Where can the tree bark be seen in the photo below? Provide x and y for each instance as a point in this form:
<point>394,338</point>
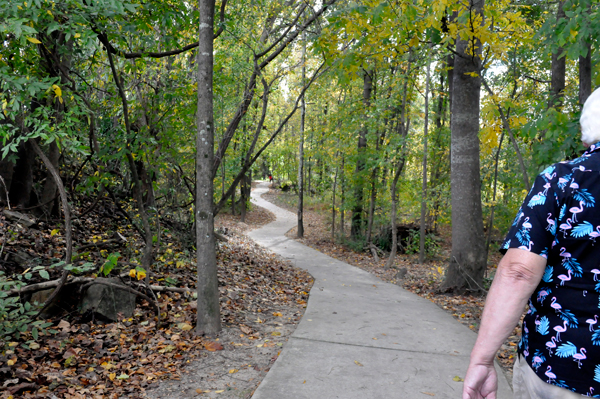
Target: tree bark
<point>22,177</point>
<point>403,132</point>
<point>468,259</point>
<point>335,178</point>
<point>357,210</point>
<point>50,187</point>
<point>585,75</point>
<point>424,186</point>
<point>558,68</point>
<point>342,198</point>
<point>300,232</point>
<point>208,313</point>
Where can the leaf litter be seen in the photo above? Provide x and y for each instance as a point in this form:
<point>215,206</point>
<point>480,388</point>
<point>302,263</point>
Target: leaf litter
<point>262,297</point>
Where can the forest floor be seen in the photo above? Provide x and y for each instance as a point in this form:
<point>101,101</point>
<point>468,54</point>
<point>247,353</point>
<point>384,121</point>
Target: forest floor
<point>262,300</point>
<point>424,280</point>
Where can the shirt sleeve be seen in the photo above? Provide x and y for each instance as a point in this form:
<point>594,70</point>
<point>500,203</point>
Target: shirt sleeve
<point>534,227</point>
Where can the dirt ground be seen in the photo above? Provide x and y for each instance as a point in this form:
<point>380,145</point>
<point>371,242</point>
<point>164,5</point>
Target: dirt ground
<point>237,370</point>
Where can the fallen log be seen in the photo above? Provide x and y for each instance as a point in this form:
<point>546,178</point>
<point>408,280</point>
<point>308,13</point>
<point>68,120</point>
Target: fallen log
<point>84,280</point>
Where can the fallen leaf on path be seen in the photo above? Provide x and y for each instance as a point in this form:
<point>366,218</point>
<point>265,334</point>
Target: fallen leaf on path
<point>358,363</point>
<point>428,393</point>
<point>213,346</point>
<point>457,379</point>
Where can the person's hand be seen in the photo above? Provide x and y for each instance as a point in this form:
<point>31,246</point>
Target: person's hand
<point>481,382</point>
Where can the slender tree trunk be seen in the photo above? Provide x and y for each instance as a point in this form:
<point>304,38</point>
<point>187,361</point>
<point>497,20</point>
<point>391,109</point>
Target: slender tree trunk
<point>333,203</point>
<point>490,226</point>
<point>403,132</point>
<point>50,187</point>
<point>342,199</point>
<point>468,259</point>
<point>137,187</point>
<point>357,210</point>
<point>424,187</point>
<point>22,177</point>
<point>301,147</point>
<point>208,314</point>
<point>372,202</point>
<point>558,68</point>
<point>585,75</point>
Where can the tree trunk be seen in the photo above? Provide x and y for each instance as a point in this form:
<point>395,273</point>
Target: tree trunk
<point>50,188</point>
<point>468,259</point>
<point>585,75</point>
<point>357,210</point>
<point>403,132</point>
<point>342,198</point>
<point>333,203</point>
<point>300,232</point>
<point>243,198</point>
<point>372,201</point>
<point>6,174</point>
<point>209,318</point>
<point>22,177</point>
<point>424,187</point>
<point>557,80</point>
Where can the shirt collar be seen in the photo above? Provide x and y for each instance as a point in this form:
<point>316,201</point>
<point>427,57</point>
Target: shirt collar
<point>593,148</point>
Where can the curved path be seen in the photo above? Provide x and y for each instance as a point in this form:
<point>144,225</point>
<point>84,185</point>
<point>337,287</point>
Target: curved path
<point>361,337</point>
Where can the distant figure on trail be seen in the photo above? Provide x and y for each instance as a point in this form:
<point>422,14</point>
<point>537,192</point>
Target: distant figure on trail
<point>270,178</point>
<point>551,258</point>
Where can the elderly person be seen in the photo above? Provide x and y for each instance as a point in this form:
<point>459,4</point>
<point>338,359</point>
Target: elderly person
<point>551,258</point>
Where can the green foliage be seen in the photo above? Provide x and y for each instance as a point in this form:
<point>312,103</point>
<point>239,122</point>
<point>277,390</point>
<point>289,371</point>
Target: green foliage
<point>16,316</point>
<point>110,264</point>
<point>413,243</point>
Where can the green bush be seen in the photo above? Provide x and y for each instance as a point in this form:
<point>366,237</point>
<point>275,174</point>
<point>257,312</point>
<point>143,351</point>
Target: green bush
<point>413,244</point>
<point>16,317</point>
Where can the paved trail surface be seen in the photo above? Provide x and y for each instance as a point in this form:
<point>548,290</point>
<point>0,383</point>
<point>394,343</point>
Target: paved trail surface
<point>361,337</point>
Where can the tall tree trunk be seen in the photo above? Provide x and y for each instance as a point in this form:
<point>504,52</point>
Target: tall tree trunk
<point>333,203</point>
<point>357,210</point>
<point>424,187</point>
<point>403,132</point>
<point>372,202</point>
<point>6,173</point>
<point>22,176</point>
<point>243,199</point>
<point>137,188</point>
<point>468,259</point>
<point>300,232</point>
<point>50,187</point>
<point>209,318</point>
<point>585,75</point>
<point>558,68</point>
<point>342,198</point>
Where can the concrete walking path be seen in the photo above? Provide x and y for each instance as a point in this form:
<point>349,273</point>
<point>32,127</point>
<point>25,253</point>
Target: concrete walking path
<point>361,337</point>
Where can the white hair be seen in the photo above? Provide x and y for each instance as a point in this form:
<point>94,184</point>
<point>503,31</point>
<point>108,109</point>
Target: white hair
<point>590,119</point>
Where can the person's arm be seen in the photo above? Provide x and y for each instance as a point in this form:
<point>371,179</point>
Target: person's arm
<point>519,273</point>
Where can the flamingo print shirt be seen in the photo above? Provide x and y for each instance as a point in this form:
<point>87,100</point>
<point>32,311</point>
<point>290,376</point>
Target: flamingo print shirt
<point>560,220</point>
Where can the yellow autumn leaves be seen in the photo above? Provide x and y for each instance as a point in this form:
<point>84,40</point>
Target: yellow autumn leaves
<point>138,273</point>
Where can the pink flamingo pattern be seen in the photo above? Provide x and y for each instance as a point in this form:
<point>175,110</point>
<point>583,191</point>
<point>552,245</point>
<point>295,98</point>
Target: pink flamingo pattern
<point>560,329</point>
<point>592,322</point>
<point>557,221</point>
<point>551,376</point>
<point>564,278</point>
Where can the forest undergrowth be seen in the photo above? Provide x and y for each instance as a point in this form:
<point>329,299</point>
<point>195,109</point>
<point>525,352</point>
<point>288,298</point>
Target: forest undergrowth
<point>78,356</point>
<point>424,280</point>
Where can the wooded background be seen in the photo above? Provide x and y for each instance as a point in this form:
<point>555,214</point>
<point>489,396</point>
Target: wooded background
<point>384,110</point>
